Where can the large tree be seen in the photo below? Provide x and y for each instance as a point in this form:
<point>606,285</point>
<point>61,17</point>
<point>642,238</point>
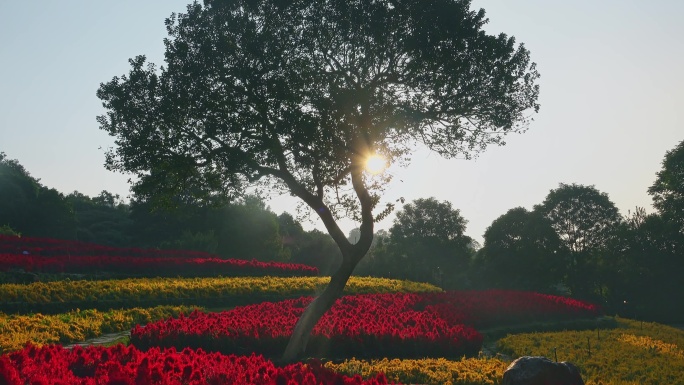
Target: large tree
<point>298,95</point>
<point>586,220</point>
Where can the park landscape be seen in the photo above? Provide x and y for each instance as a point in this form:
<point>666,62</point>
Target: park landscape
<point>197,282</point>
<point>199,328</point>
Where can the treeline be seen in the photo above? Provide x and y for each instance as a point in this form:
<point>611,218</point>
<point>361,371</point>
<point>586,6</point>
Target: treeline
<point>245,229</point>
<point>574,243</point>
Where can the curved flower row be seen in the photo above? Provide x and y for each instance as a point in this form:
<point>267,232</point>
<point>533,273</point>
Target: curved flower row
<point>18,330</point>
<point>130,366</point>
<point>433,371</point>
<point>485,309</point>
<point>151,266</point>
<point>55,256</point>
<point>10,244</point>
<point>367,325</point>
<point>133,292</point>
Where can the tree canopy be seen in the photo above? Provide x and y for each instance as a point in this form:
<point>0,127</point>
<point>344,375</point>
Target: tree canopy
<point>297,95</point>
<point>668,189</point>
<point>521,251</point>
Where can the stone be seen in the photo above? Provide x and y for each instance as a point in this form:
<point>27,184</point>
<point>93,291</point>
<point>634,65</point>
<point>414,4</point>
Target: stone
<point>529,370</point>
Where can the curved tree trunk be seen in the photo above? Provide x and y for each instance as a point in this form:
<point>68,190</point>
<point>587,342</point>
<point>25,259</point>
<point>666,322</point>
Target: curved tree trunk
<point>320,305</point>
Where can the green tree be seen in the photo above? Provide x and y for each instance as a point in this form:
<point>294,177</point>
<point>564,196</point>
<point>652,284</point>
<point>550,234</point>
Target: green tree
<point>296,96</point>
<point>586,220</point>
<point>427,239</point>
<point>248,230</point>
<point>521,251</point>
<point>646,267</point>
<point>29,207</point>
<point>104,219</point>
<point>668,189</point>
<point>316,248</point>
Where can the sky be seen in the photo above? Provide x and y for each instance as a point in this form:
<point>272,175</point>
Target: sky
<point>612,101</point>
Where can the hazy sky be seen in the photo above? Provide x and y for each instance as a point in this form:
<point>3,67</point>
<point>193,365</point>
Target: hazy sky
<point>612,100</point>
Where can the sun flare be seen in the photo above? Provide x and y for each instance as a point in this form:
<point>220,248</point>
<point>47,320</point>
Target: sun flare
<point>376,164</point>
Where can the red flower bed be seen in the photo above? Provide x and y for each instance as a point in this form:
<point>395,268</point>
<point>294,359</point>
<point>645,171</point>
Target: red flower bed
<point>129,366</point>
<point>367,325</point>
<point>485,309</point>
<point>57,256</point>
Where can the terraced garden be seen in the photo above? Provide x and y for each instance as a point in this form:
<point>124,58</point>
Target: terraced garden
<point>231,329</point>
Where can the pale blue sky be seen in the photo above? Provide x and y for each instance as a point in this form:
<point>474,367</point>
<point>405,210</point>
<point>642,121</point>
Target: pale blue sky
<point>612,99</point>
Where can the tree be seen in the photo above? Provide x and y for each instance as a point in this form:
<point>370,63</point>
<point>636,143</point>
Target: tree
<point>29,207</point>
<point>428,240</point>
<point>585,219</point>
<point>296,96</point>
<point>248,230</point>
<point>521,251</point>
<point>103,219</point>
<point>668,189</point>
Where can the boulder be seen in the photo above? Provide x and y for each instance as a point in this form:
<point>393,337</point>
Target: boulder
<point>541,371</point>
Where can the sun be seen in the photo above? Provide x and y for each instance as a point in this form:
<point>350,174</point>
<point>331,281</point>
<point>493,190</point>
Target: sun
<point>376,164</point>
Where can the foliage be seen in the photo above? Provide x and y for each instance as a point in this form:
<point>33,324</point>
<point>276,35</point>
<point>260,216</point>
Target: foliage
<point>521,251</point>
<point>586,220</point>
<point>296,96</point>
<point>30,208</point>
<point>668,189</point>
<point>38,329</point>
<point>645,269</point>
<point>636,353</point>
<point>427,239</point>
<point>6,230</point>
<point>103,219</point>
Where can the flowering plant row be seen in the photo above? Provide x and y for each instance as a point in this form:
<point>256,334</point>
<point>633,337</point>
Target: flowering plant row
<point>62,296</point>
<point>18,330</point>
<point>641,353</point>
<point>491,308</point>
<point>151,266</point>
<point>433,371</point>
<point>55,256</point>
<point>129,366</point>
<point>370,325</point>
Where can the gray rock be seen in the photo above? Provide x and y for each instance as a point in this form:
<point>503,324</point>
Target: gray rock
<point>541,371</point>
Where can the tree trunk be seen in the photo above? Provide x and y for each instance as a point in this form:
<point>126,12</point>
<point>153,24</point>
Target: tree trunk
<point>313,313</point>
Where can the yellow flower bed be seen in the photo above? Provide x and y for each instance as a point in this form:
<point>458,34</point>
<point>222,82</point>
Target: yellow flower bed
<point>634,353</point>
<point>17,330</point>
<point>467,371</point>
<point>156,288</point>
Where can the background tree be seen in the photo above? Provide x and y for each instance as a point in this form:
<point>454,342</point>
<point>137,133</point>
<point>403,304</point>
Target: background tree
<point>296,96</point>
<point>668,189</point>
<point>521,251</point>
<point>30,208</point>
<point>248,230</point>
<point>646,267</point>
<point>427,239</point>
<point>585,219</point>
<point>103,219</point>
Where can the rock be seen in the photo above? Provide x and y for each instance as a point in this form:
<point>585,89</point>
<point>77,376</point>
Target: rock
<point>541,371</point>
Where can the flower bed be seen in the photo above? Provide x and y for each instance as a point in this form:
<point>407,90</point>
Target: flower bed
<point>128,365</point>
<point>379,325</point>
<point>61,296</point>
<point>18,330</point>
<point>42,255</point>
